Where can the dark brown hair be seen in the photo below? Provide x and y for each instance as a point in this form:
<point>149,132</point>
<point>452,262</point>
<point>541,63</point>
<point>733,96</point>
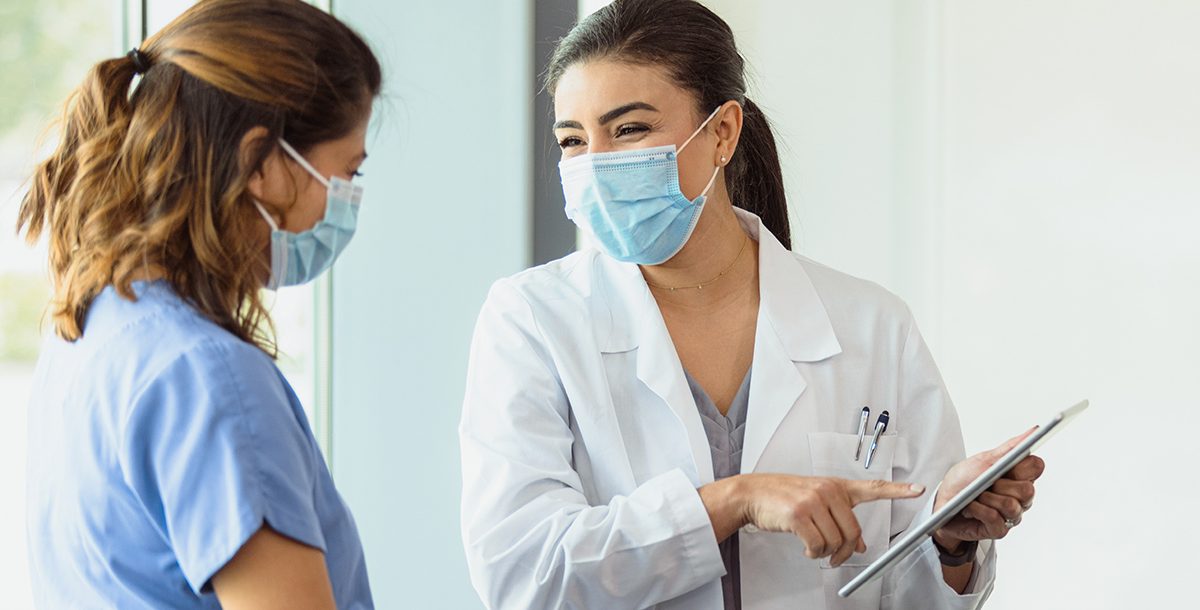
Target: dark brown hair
<point>698,51</point>
<point>151,183</point>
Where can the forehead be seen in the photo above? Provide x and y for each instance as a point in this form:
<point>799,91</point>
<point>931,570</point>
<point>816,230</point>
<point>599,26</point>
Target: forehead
<point>588,89</point>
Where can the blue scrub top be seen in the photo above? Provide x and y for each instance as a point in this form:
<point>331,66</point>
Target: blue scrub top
<point>158,444</point>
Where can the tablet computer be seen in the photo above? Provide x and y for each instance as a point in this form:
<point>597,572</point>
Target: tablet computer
<point>910,540</point>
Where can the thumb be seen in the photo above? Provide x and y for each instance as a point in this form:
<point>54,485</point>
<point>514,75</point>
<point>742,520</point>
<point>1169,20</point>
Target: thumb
<point>994,454</point>
<point>867,491</point>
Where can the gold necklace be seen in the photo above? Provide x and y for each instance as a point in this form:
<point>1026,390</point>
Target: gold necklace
<point>701,285</point>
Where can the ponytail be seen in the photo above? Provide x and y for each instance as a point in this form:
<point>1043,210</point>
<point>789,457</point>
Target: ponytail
<point>93,125</point>
<point>755,181</point>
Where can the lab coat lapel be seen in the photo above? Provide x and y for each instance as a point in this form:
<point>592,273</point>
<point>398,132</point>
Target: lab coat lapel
<point>634,322</point>
<point>793,327</point>
<point>775,386</point>
<point>658,367</point>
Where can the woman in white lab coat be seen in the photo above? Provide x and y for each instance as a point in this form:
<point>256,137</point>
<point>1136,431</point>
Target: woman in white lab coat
<point>670,419</point>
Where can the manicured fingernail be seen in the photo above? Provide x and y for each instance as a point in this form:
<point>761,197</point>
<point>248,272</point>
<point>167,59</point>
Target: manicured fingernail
<point>920,489</point>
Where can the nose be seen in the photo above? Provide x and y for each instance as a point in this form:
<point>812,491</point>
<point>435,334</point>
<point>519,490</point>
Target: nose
<point>599,147</point>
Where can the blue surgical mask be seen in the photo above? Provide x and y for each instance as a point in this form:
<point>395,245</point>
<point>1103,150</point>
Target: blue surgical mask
<point>630,201</point>
<point>298,258</point>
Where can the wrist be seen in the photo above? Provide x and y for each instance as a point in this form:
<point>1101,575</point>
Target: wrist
<point>946,543</point>
<point>724,500</point>
<point>953,552</point>
<point>739,490</point>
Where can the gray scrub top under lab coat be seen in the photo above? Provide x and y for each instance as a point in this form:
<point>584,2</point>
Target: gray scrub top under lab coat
<point>725,435</point>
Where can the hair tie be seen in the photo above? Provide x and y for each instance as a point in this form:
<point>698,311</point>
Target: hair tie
<point>141,63</point>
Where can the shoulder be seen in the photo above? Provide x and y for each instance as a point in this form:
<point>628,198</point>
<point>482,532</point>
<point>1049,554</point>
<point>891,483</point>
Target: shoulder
<point>567,277</point>
<point>157,325</point>
<point>563,285</point>
<point>855,303</point>
<point>160,347</point>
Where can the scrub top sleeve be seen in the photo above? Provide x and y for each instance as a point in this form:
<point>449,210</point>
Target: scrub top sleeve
<point>214,450</point>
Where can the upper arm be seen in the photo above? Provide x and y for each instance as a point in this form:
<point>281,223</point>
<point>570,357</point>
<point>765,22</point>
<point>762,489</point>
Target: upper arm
<point>273,571</point>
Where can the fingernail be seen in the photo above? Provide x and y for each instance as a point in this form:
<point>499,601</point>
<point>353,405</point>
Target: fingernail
<point>920,489</point>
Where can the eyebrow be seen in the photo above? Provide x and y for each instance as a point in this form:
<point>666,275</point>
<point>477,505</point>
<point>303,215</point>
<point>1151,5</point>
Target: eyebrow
<point>609,116</point>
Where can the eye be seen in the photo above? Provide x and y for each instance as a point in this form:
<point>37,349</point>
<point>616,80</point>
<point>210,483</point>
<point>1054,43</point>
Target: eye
<point>628,130</point>
<point>569,142</point>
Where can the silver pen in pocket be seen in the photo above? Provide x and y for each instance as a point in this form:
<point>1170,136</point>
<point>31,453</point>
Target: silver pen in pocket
<point>862,431</point>
<point>881,425</point>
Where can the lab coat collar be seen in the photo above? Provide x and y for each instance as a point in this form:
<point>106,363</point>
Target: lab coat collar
<point>793,326</point>
<point>788,301</point>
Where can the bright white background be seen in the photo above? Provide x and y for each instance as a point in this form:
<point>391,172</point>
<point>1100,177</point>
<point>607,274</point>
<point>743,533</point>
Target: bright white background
<point>1027,176</point>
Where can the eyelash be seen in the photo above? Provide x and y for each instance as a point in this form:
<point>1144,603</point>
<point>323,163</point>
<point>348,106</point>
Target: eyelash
<point>631,129</point>
<point>356,174</point>
<point>622,131</point>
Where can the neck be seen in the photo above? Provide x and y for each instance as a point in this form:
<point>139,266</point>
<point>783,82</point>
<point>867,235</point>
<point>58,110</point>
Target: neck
<point>718,247</point>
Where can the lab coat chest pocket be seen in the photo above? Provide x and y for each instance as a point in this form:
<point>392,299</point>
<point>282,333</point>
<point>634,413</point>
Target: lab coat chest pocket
<point>833,456</point>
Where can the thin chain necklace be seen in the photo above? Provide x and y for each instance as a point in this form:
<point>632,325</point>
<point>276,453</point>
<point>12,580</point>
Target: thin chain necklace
<point>701,285</point>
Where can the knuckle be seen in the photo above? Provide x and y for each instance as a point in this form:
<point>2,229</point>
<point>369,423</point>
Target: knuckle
<point>1011,506</point>
<point>799,511</point>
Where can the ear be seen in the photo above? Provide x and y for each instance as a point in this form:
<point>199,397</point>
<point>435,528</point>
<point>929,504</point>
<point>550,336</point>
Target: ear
<point>251,144</point>
<point>729,130</point>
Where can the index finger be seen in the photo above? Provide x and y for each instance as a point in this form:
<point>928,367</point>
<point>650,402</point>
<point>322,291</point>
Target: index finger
<point>998,452</point>
<point>867,491</point>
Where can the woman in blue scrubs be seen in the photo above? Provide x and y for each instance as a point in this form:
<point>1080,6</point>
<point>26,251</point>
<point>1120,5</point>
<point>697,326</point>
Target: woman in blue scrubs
<point>171,465</point>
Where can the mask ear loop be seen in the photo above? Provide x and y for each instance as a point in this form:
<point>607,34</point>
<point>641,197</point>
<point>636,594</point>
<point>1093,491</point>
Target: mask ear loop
<point>266,216</point>
<point>711,182</point>
<point>279,253</point>
<point>717,169</point>
<point>697,132</point>
<point>303,162</point>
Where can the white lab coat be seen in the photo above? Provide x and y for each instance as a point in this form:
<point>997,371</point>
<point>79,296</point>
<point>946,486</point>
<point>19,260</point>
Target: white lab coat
<point>582,447</point>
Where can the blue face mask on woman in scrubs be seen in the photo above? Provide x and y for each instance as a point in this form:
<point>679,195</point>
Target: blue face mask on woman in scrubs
<point>299,258</point>
<point>629,201</point>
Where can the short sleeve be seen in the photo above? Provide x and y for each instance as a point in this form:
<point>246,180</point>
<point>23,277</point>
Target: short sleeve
<point>214,449</point>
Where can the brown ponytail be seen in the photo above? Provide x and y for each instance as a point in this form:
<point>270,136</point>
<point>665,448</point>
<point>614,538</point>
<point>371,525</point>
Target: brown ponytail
<point>697,48</point>
<point>755,177</point>
<point>151,183</point>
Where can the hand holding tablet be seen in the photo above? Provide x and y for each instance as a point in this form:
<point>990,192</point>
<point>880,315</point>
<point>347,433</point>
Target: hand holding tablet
<point>997,510</point>
<point>993,488</point>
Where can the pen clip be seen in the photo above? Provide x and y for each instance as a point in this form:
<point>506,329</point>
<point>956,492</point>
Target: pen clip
<point>862,431</point>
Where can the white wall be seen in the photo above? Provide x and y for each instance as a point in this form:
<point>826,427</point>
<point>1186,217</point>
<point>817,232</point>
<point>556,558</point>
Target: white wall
<point>1025,175</point>
<point>1072,266</point>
